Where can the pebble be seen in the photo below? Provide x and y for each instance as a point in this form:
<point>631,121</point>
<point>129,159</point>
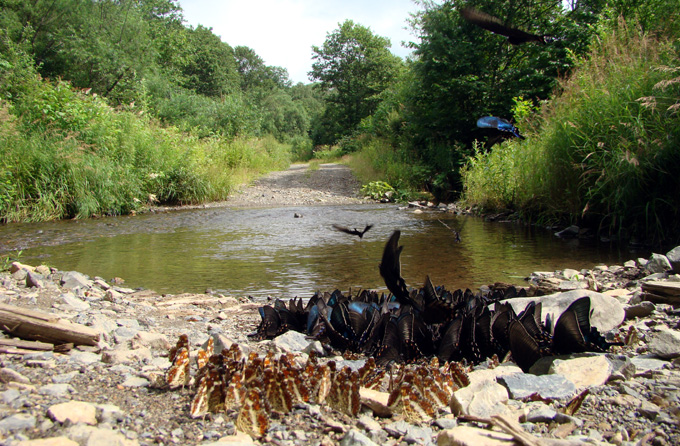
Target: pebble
<point>104,395</point>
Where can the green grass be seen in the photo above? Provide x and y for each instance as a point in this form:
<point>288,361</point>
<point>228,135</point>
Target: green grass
<point>377,160</point>
<point>604,153</point>
<point>66,154</point>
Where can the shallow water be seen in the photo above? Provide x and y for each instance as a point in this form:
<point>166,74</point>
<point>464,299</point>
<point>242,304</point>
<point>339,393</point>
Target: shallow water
<point>263,252</point>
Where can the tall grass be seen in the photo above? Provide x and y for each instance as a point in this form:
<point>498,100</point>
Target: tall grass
<point>67,154</point>
<point>605,152</point>
<point>378,160</point>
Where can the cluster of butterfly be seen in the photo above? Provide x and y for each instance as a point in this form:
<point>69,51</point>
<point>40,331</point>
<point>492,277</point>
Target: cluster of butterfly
<point>253,386</point>
<point>409,324</point>
<point>459,326</point>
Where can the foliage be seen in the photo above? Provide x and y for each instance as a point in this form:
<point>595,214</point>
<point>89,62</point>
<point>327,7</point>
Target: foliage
<point>6,261</point>
<point>68,154</point>
<point>210,68</point>
<point>377,190</point>
<point>376,159</point>
<point>606,151</point>
<point>462,72</point>
<point>355,66</point>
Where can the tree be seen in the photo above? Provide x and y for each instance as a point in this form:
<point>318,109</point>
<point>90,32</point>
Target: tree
<point>355,66</point>
<point>462,72</point>
<point>255,74</point>
<point>101,45</point>
<point>210,68</point>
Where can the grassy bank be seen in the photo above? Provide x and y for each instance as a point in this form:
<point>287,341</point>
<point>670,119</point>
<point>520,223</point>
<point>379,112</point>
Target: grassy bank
<point>67,154</point>
<point>605,152</point>
<point>381,167</point>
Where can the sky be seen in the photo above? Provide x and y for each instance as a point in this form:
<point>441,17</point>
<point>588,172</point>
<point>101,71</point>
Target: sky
<point>283,32</point>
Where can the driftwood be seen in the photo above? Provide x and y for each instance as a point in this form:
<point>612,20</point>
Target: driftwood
<point>28,345</point>
<point>37,326</point>
<point>662,292</point>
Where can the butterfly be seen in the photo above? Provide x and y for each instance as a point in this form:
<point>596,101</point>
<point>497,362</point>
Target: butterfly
<point>210,393</point>
<point>253,418</point>
<point>177,374</point>
<point>344,392</point>
<point>354,231</point>
<point>204,353</point>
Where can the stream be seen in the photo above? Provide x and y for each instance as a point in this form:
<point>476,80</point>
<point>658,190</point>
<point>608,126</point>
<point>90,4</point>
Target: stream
<point>263,252</point>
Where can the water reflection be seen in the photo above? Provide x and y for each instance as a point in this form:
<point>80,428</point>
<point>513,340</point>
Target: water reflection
<point>263,252</point>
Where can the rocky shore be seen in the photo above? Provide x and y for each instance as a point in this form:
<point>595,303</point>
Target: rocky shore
<point>111,393</point>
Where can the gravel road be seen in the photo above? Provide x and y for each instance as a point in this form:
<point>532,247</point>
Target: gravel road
<point>301,184</point>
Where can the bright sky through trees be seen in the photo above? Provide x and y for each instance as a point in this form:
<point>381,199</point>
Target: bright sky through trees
<point>282,32</point>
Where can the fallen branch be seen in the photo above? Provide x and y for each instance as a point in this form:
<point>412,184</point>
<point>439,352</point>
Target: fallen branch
<point>509,427</point>
<point>43,327</point>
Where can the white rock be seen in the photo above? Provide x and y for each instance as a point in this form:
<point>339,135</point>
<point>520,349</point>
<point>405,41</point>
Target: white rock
<point>481,398</point>
<point>75,411</point>
<point>155,341</point>
<point>472,436</point>
<point>584,372</point>
<point>291,341</point>
<point>607,312</point>
<point>74,303</point>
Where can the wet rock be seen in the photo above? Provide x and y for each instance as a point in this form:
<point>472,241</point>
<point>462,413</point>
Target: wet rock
<point>568,232</point>
<point>584,372</point>
<point>664,343</point>
<point>658,263</point>
<point>523,385</point>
